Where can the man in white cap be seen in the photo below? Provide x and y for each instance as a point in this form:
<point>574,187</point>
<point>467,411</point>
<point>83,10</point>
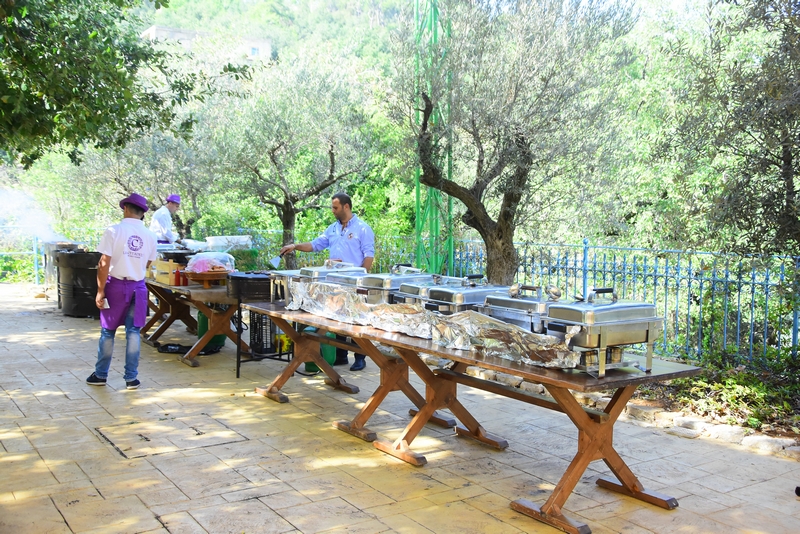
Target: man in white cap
<point>128,249</point>
<point>161,225</point>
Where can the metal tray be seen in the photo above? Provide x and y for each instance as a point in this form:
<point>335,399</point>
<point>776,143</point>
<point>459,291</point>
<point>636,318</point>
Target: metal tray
<point>321,272</point>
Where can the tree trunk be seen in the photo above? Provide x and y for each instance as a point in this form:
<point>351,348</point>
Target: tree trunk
<point>789,224</point>
<point>502,260</point>
<point>288,219</point>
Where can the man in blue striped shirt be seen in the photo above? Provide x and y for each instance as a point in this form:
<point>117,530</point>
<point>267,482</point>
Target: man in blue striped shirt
<point>350,240</point>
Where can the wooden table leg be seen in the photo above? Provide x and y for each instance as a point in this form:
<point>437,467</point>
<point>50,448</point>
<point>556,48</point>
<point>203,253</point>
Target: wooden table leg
<point>176,308</point>
<point>305,350</point>
<point>219,322</point>
<point>595,442</point>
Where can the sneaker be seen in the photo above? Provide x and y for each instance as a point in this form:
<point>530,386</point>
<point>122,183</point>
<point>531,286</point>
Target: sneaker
<point>133,384</point>
<point>95,380</point>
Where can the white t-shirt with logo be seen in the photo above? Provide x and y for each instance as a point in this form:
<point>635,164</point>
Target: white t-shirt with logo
<point>130,246</point>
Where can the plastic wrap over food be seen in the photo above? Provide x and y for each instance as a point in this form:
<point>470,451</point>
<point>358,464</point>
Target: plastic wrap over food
<point>410,319</point>
<point>340,303</point>
<point>210,262</point>
<point>491,337</point>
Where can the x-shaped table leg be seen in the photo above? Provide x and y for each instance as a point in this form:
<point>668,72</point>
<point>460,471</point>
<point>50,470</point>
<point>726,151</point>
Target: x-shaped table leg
<point>595,442</point>
<point>439,393</point>
<point>305,350</point>
<point>218,323</point>
<point>169,303</point>
<point>394,377</point>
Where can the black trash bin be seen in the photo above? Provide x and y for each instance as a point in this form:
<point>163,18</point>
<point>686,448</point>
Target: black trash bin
<point>77,283</point>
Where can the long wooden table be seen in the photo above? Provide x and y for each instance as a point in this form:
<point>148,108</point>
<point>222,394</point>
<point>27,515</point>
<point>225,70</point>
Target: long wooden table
<point>175,303</point>
<point>595,427</point>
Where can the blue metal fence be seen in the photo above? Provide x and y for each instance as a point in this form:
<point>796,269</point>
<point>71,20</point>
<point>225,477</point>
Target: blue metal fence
<point>733,308</point>
<point>729,307</point>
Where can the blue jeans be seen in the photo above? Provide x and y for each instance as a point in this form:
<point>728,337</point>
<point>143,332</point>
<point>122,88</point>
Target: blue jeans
<point>132,347</point>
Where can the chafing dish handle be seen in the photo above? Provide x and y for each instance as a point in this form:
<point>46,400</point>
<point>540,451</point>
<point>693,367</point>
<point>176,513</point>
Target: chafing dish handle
<point>601,290</point>
<point>536,289</point>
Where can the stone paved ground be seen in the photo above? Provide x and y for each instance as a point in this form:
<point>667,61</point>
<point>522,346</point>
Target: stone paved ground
<point>195,450</point>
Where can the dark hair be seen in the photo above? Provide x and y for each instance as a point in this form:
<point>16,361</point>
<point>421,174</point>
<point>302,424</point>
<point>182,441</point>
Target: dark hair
<point>344,199</point>
<point>136,210</point>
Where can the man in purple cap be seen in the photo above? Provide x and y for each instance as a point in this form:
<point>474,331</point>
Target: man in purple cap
<point>128,249</point>
<point>161,225</point>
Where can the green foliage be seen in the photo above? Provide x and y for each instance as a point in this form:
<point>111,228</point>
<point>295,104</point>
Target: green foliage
<point>17,269</point>
<point>752,395</point>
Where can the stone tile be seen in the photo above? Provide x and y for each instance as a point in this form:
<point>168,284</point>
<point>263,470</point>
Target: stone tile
<point>482,469</point>
<point>201,475</point>
<point>182,523</point>
<point>245,516</point>
<point>440,518</point>
<point>31,515</point>
<point>325,515</point>
<point>121,515</point>
<point>367,499</point>
<point>288,499</point>
<point>257,491</point>
<point>678,520</point>
<point>132,484</point>
<point>329,485</point>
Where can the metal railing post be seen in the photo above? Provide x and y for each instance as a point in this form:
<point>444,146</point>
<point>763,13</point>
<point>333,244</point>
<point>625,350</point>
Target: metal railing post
<point>585,267</point>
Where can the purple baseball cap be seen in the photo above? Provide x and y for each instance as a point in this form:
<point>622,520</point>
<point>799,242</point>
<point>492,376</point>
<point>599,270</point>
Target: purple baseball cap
<point>174,198</point>
<point>136,200</point>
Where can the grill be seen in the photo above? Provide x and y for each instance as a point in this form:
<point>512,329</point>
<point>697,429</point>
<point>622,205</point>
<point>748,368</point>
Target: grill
<point>252,286</point>
<point>524,310</point>
<point>606,326</point>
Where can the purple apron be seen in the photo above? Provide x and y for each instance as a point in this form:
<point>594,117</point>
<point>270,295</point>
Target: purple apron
<point>120,293</point>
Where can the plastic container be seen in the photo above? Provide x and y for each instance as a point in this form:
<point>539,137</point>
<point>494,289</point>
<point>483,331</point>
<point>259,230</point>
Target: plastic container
<point>229,242</point>
<point>202,328</point>
<point>328,352</point>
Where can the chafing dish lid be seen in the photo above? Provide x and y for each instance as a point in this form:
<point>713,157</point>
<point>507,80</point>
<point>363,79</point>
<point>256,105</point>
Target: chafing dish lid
<point>285,274</point>
<point>323,270</point>
<point>464,295</point>
<point>345,278</point>
<point>525,304</point>
<point>594,310</point>
<point>393,281</point>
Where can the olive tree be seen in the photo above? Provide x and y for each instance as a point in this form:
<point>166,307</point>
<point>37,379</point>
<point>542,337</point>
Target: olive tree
<point>518,93</point>
<point>737,122</point>
<point>303,131</point>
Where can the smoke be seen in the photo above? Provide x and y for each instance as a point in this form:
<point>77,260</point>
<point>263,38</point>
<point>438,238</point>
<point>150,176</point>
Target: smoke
<point>21,216</point>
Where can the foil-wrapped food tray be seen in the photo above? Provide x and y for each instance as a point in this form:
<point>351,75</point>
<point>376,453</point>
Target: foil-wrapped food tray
<point>486,335</point>
<point>469,330</point>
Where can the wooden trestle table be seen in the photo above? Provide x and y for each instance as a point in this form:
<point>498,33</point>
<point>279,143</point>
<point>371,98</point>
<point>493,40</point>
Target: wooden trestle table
<point>175,302</point>
<point>595,427</point>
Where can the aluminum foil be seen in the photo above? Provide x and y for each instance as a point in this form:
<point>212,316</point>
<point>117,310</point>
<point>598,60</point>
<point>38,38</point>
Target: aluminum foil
<point>410,319</point>
<point>471,330</point>
<point>340,303</point>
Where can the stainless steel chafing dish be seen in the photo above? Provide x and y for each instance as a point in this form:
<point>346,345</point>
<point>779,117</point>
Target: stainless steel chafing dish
<point>320,273</point>
<point>281,279</point>
<point>378,288</point>
<point>516,307</point>
<point>452,299</point>
<point>280,284</point>
<point>607,324</point>
<point>417,292</point>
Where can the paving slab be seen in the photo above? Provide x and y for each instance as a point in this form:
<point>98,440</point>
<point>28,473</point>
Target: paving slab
<point>219,458</point>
